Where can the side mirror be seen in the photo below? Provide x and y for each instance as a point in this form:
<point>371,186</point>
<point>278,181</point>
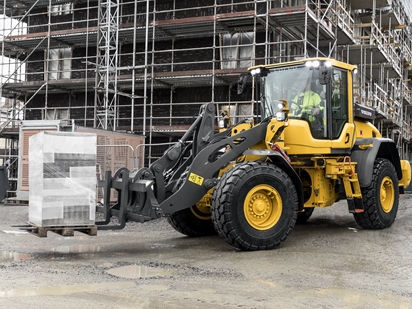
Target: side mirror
<point>325,74</point>
<point>241,83</point>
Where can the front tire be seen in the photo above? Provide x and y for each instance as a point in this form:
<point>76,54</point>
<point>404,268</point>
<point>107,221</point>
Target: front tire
<point>194,221</point>
<point>380,198</point>
<point>254,206</point>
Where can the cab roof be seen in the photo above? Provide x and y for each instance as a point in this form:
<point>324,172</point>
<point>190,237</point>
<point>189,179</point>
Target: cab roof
<point>334,63</point>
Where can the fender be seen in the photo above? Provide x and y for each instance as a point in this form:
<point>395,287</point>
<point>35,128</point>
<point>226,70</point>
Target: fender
<point>366,150</point>
<point>280,161</point>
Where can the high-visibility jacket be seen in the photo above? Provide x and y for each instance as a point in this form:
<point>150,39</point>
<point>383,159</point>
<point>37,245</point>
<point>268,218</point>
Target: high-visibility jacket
<point>305,102</point>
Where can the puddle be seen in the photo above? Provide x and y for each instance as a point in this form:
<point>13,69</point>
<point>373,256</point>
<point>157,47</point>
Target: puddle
<point>140,272</point>
<point>13,257</point>
<point>160,246</point>
<point>85,251</point>
<point>14,232</point>
<point>77,249</point>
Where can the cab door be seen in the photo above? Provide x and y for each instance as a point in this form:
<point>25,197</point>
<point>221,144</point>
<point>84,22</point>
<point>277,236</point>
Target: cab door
<point>334,133</point>
<point>341,127</point>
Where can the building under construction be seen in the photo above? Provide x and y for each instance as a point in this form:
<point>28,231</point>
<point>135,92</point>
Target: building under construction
<point>146,66</point>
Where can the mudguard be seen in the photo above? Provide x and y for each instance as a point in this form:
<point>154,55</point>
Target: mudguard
<point>366,150</point>
<point>279,160</point>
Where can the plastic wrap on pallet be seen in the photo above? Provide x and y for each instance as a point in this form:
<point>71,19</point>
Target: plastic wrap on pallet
<point>62,179</point>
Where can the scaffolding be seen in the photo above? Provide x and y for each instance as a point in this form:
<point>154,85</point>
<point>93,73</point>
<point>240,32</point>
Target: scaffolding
<point>146,66</point>
<point>106,66</point>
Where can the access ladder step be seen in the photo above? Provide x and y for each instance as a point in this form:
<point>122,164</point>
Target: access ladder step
<point>355,205</point>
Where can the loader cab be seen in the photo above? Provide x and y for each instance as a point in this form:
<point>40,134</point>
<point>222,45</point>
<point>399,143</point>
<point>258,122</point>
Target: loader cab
<point>319,94</point>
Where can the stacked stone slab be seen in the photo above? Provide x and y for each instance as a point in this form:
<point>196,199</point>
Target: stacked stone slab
<point>62,179</point>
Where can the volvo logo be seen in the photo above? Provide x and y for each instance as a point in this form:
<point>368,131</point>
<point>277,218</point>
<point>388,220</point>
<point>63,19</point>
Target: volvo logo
<point>366,113</point>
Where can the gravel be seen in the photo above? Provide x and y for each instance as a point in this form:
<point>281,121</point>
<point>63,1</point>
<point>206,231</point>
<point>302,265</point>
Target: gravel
<point>329,262</point>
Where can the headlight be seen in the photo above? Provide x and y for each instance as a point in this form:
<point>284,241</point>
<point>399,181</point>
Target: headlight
<point>221,124</point>
<point>316,64</point>
<point>280,116</point>
<point>255,71</point>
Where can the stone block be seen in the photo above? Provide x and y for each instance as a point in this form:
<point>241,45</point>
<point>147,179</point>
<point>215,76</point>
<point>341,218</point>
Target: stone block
<point>62,179</point>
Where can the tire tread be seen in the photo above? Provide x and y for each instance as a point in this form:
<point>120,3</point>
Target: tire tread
<point>221,216</point>
<point>370,218</point>
<point>185,222</point>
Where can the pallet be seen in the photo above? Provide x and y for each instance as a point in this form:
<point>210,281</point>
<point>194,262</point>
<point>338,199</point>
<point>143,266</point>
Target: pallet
<point>41,231</point>
<point>13,201</point>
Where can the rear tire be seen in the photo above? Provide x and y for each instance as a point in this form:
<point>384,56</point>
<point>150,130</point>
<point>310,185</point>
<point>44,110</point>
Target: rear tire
<point>380,198</point>
<point>194,222</point>
<point>254,206</point>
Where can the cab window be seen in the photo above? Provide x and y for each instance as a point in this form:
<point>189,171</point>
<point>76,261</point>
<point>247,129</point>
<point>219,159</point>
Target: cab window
<point>339,101</point>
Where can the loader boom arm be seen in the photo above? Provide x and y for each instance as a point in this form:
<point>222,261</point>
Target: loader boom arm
<point>202,173</point>
<point>181,177</point>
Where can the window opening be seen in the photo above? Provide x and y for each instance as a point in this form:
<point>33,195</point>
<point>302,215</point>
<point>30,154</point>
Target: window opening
<point>59,63</point>
<point>61,9</point>
<point>237,50</point>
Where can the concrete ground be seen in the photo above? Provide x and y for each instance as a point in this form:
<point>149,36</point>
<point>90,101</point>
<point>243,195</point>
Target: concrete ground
<point>329,262</point>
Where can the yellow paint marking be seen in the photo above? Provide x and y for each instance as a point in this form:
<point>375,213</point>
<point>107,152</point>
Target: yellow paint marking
<point>352,298</point>
<point>271,284</point>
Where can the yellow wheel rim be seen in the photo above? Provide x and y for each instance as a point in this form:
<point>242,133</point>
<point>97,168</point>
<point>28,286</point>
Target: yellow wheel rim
<point>201,211</point>
<point>387,194</point>
<point>202,208</point>
<point>263,207</point>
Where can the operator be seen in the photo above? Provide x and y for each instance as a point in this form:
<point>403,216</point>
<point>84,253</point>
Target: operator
<point>307,103</point>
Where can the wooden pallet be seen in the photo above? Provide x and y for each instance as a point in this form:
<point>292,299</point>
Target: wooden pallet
<point>41,231</point>
<point>13,201</point>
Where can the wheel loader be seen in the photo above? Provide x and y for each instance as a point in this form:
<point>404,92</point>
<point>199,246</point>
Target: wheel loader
<point>252,182</point>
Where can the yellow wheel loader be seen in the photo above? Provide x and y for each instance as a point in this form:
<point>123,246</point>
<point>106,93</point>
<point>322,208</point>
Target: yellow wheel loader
<point>252,182</point>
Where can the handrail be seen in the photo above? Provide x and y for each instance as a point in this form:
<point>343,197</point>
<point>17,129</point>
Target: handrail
<point>157,144</point>
<point>123,145</point>
<point>20,109</point>
<point>21,63</point>
<point>27,12</point>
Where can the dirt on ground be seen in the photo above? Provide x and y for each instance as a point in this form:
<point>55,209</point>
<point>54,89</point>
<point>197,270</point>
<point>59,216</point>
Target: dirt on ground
<point>329,262</point>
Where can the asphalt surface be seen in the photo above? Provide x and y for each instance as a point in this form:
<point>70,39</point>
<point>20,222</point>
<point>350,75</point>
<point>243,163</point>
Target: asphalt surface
<point>329,262</point>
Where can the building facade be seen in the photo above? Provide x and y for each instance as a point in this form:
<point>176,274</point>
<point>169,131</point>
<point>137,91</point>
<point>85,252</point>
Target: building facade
<point>146,66</point>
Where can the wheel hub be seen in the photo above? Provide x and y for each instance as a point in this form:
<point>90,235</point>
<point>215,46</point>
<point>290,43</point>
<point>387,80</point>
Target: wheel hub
<point>263,207</point>
<point>259,206</point>
<point>387,194</point>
